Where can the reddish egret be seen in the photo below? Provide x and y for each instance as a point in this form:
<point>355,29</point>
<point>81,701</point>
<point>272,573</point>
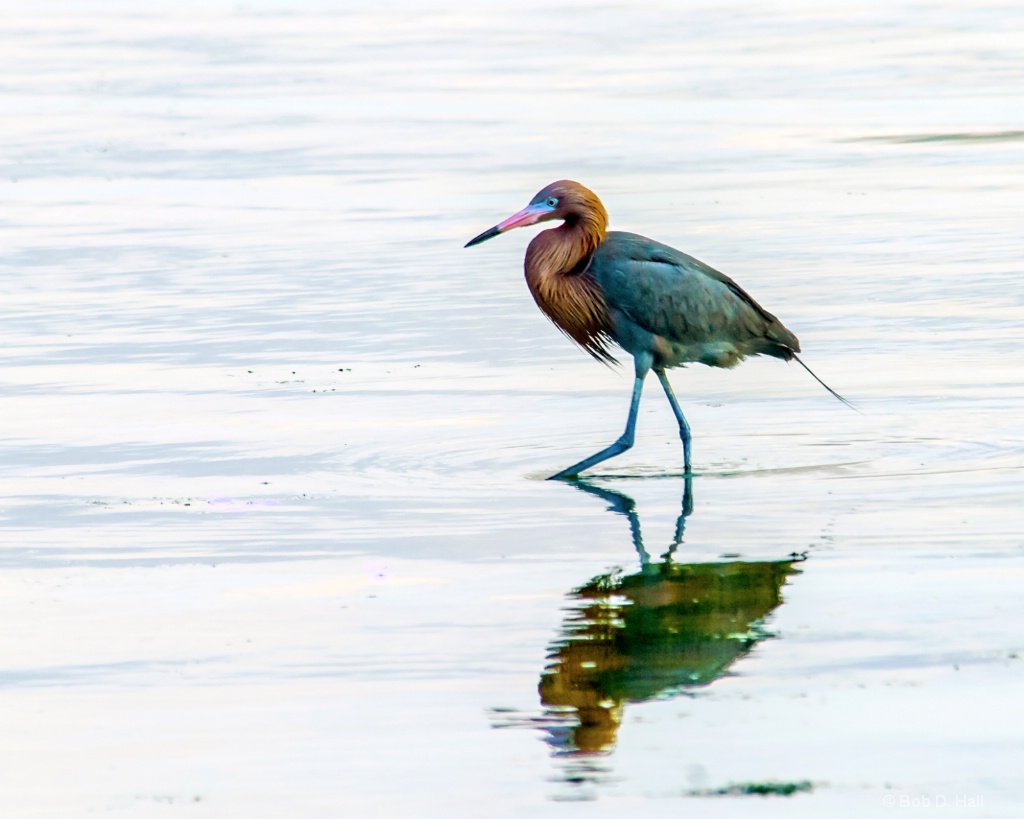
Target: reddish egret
<point>661,306</point>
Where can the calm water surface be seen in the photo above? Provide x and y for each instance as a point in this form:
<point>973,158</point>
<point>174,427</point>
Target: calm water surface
<point>275,539</point>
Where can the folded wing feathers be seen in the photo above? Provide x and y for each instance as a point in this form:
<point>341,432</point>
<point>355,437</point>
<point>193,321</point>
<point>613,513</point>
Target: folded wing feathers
<point>707,308</point>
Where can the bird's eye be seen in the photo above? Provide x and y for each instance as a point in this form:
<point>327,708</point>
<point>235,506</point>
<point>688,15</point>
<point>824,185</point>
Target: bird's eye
<point>552,202</point>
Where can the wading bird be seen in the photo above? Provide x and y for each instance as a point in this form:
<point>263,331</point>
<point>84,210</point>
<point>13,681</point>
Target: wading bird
<point>664,308</point>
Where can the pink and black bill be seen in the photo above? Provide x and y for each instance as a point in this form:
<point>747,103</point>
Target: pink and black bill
<point>529,215</point>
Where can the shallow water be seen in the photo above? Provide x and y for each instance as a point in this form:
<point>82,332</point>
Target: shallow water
<point>275,535</point>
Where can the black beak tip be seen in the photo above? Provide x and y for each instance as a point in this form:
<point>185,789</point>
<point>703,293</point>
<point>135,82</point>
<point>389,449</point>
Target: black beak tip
<point>490,233</point>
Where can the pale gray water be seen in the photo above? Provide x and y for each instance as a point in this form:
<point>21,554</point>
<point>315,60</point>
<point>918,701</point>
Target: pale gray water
<point>274,539</point>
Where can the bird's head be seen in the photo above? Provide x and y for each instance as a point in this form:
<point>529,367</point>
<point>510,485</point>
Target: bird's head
<point>564,199</point>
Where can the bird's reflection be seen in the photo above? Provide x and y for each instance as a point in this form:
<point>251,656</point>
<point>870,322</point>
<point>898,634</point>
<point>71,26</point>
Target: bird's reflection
<point>652,634</point>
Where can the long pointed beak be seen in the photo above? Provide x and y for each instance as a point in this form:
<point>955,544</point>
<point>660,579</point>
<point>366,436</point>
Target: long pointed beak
<point>527,216</point>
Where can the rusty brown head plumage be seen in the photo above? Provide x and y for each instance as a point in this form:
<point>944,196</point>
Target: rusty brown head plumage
<point>557,262</point>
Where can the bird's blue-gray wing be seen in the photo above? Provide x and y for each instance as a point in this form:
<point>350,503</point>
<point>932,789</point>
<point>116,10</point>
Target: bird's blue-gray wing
<point>681,299</point>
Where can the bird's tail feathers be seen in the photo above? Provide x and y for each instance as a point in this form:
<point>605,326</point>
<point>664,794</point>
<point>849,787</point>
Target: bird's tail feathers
<point>826,386</point>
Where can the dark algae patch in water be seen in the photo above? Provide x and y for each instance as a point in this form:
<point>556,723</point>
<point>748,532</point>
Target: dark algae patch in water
<point>759,789</point>
<point>982,136</point>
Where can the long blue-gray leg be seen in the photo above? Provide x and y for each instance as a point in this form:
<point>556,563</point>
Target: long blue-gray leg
<point>684,428</point>
<point>625,441</point>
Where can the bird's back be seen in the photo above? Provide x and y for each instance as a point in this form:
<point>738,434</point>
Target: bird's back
<point>663,301</point>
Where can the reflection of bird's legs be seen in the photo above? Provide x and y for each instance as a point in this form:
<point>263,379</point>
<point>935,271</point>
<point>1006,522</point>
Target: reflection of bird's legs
<point>624,505</point>
<point>684,428</point>
<point>684,513</point>
<point>625,441</point>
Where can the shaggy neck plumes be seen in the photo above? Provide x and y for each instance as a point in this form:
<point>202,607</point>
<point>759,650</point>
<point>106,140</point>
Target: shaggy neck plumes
<point>557,275</point>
